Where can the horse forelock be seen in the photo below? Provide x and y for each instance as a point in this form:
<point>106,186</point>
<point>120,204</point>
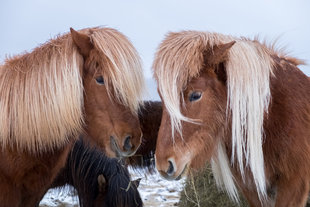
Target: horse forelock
<point>249,66</point>
<point>122,67</point>
<point>41,96</point>
<point>178,58</point>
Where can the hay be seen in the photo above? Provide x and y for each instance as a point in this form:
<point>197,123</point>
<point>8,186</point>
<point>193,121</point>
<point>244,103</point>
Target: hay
<point>201,191</point>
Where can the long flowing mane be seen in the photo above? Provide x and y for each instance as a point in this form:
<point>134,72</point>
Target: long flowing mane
<point>41,92</point>
<point>249,67</point>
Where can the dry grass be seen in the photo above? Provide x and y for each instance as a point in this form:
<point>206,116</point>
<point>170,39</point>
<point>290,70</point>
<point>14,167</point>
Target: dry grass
<point>201,191</point>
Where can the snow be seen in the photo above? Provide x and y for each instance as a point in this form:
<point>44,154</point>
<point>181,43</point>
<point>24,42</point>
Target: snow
<point>157,192</point>
<point>64,197</point>
<point>154,190</point>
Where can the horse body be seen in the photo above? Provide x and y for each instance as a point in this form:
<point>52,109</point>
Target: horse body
<point>46,98</point>
<point>242,106</point>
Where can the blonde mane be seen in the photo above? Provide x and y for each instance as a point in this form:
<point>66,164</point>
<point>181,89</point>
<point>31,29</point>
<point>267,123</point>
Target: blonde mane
<point>249,66</point>
<point>125,74</point>
<point>41,92</point>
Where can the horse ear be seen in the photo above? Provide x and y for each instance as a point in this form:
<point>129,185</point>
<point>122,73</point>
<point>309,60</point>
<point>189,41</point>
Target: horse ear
<point>101,183</point>
<point>136,182</point>
<point>216,58</point>
<point>218,53</point>
<point>82,41</point>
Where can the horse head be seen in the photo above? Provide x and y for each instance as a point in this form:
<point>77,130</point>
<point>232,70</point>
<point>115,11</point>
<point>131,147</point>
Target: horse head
<point>113,82</point>
<point>192,121</point>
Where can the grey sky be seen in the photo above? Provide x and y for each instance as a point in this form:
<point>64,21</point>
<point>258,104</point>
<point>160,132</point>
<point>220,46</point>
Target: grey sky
<point>25,24</point>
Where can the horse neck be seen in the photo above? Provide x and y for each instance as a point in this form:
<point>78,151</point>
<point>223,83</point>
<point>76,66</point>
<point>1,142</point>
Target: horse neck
<point>289,110</point>
<point>150,118</point>
<point>290,103</point>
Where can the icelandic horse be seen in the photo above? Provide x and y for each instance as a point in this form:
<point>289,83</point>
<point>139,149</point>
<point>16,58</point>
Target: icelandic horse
<point>240,104</point>
<point>87,81</point>
<point>100,181</point>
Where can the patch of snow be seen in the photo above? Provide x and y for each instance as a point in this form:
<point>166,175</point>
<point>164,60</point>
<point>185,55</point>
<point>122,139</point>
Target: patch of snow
<point>60,197</point>
<point>158,192</point>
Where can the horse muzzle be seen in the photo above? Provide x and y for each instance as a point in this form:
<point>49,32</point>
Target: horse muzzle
<point>171,172</point>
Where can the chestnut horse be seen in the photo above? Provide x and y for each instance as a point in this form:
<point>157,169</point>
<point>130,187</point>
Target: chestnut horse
<point>243,106</point>
<point>88,81</point>
<point>99,180</point>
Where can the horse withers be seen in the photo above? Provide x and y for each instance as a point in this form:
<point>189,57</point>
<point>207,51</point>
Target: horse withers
<point>241,105</point>
<point>84,81</point>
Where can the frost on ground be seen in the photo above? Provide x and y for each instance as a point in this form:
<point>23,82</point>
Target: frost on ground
<point>155,192</point>
<point>158,192</point>
<point>64,197</point>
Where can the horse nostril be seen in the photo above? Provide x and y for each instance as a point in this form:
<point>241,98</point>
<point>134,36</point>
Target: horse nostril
<point>170,170</point>
<point>127,143</point>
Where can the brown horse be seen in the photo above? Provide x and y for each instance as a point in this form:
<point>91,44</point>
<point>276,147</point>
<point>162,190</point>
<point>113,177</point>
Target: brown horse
<point>243,106</point>
<point>89,81</point>
<point>149,118</point>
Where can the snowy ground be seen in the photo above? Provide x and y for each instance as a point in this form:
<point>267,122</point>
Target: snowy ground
<point>154,191</point>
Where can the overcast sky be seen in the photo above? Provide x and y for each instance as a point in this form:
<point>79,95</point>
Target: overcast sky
<point>26,23</point>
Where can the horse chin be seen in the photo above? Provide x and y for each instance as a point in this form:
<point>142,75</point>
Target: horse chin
<point>126,154</point>
<point>119,153</point>
<point>183,173</point>
<point>175,177</point>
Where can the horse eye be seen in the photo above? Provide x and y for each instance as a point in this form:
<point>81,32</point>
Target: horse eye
<point>100,80</point>
<point>195,96</point>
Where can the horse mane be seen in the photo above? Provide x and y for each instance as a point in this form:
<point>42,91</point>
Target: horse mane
<point>41,92</point>
<point>248,67</point>
<point>280,51</point>
<point>41,96</point>
<point>85,164</point>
